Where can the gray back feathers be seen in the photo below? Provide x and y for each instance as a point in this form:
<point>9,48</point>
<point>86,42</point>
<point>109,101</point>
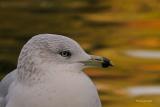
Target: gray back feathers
<point>4,87</point>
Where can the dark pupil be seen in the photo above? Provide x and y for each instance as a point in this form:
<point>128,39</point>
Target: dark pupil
<point>65,53</point>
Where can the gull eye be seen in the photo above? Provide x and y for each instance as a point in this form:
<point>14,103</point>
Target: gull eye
<point>65,53</point>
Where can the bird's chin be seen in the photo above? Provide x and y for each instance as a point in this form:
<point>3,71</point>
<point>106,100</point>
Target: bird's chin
<point>81,66</point>
<point>73,66</point>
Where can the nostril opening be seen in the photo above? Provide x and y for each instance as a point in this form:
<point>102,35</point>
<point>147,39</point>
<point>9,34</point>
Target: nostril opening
<point>98,59</point>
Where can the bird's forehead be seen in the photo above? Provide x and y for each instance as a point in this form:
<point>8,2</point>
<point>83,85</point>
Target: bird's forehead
<point>63,42</point>
<point>56,41</point>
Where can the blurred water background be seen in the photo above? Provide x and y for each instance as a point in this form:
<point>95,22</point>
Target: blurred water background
<point>126,31</point>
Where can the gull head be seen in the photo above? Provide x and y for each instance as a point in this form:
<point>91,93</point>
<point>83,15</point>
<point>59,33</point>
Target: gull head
<point>56,51</point>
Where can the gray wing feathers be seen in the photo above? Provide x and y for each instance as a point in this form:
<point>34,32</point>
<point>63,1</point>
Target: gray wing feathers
<point>4,86</point>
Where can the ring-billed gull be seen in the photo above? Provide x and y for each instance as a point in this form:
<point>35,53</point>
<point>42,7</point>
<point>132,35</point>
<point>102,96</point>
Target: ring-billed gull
<point>50,74</point>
